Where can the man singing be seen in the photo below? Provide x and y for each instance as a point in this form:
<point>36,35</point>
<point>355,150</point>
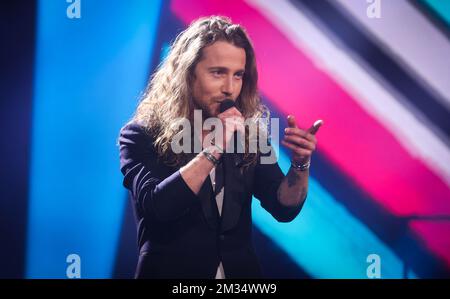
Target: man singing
<point>193,210</point>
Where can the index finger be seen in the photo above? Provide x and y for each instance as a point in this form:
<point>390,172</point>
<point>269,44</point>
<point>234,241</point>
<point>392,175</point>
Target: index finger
<point>315,127</point>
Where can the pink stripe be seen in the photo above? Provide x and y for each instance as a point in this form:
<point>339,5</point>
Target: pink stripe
<point>354,141</point>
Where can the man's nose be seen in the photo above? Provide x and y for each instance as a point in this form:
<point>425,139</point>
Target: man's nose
<point>227,87</point>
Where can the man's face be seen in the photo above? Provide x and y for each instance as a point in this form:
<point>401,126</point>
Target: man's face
<point>218,76</point>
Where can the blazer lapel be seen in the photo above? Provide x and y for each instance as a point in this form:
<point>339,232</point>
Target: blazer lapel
<point>234,189</point>
<point>208,203</point>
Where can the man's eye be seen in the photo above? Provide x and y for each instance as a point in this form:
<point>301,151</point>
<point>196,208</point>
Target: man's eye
<point>239,75</point>
<point>217,73</point>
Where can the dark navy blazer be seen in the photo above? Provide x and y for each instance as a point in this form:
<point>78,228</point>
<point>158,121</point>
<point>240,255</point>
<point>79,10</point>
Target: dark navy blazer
<point>180,234</point>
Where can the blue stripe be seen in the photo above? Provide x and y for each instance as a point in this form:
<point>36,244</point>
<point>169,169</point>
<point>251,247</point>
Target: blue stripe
<point>441,8</point>
<point>326,240</point>
<point>88,76</point>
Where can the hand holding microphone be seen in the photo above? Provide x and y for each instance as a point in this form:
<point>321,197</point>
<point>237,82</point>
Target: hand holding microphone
<point>232,121</point>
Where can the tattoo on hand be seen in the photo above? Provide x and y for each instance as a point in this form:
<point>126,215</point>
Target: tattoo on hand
<point>292,178</point>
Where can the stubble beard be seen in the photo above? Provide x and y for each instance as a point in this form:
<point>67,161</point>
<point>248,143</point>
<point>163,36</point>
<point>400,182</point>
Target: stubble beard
<point>206,110</point>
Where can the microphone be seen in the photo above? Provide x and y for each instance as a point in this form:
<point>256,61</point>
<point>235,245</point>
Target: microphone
<point>224,106</point>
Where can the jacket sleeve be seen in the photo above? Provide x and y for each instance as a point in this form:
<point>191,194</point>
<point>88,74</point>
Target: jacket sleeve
<point>158,197</point>
<point>267,180</point>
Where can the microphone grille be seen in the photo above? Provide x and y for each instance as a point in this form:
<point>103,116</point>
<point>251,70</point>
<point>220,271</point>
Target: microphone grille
<point>226,104</point>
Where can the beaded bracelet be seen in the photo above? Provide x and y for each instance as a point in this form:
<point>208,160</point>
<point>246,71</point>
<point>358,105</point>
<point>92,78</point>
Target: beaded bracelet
<point>301,167</point>
<point>210,157</point>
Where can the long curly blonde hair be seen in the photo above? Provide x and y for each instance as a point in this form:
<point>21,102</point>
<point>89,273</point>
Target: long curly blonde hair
<point>168,96</point>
